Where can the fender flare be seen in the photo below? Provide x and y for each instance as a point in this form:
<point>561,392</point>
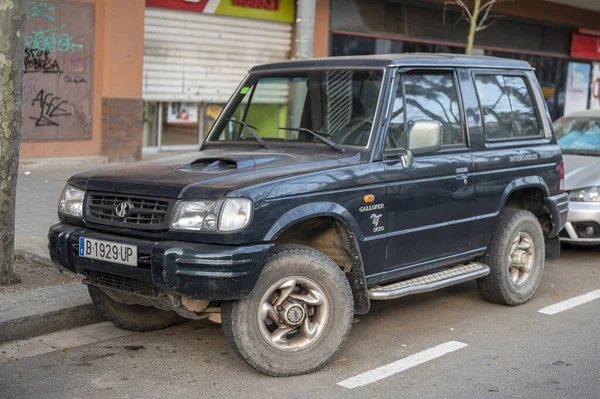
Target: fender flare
<point>311,211</point>
<point>521,183</point>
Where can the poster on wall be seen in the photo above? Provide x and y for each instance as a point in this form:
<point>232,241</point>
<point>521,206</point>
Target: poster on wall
<point>179,112</point>
<point>595,91</point>
<point>578,87</point>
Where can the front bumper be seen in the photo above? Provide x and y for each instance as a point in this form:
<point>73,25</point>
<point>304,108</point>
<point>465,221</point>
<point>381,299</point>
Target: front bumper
<point>199,271</point>
<point>582,215</point>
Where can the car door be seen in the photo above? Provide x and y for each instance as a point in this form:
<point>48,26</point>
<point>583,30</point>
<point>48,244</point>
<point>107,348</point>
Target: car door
<point>430,196</point>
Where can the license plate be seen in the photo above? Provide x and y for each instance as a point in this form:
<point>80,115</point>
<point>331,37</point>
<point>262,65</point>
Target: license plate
<point>108,251</point>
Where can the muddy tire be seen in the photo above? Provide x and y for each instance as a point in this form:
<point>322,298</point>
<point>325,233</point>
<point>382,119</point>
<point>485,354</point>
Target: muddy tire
<point>296,317</point>
<point>516,259</point>
<point>132,317</point>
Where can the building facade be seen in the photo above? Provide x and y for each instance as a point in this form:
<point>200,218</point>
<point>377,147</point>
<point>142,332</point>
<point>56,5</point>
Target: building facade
<point>119,78</point>
<point>122,78</point>
<point>556,37</point>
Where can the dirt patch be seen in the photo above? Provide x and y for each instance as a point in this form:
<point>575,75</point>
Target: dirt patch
<point>37,273</point>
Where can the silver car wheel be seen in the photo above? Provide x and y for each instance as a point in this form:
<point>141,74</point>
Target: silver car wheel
<point>293,313</point>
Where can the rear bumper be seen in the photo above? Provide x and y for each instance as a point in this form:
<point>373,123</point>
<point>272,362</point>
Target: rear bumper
<point>581,215</point>
<point>200,271</point>
<point>559,209</point>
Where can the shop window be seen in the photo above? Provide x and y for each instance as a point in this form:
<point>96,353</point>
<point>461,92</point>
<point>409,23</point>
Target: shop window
<point>507,107</point>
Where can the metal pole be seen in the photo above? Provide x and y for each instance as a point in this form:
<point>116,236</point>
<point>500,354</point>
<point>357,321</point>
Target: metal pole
<point>305,28</point>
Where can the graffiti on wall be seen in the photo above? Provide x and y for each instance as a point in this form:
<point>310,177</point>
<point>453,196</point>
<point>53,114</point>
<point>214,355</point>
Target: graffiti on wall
<point>57,90</point>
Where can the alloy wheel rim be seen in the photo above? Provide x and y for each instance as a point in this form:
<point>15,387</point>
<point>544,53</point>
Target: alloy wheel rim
<point>521,257</point>
<point>293,313</point>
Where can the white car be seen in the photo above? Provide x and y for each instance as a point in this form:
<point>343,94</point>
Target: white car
<point>578,135</point>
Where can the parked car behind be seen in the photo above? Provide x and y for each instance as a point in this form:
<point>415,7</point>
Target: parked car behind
<point>578,135</point>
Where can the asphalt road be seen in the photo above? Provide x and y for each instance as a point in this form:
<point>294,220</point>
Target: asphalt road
<point>509,352</point>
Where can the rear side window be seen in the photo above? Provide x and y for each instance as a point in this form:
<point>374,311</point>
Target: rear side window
<point>507,107</point>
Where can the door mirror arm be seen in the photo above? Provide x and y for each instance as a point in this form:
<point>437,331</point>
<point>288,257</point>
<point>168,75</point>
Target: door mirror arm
<point>399,154</point>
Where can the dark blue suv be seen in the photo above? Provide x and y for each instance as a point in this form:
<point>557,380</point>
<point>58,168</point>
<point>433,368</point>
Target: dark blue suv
<point>323,185</point>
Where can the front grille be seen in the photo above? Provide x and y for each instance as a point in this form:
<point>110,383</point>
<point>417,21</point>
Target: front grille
<point>143,213</point>
<point>121,283</point>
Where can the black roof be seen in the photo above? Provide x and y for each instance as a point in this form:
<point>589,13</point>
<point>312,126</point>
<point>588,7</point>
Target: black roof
<point>409,59</point>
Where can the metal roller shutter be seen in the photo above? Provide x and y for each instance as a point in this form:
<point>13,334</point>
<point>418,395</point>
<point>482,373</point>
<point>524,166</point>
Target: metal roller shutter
<point>200,57</point>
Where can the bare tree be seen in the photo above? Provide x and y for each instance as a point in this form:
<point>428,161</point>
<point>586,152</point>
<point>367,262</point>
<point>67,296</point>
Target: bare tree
<point>479,17</point>
<point>12,31</point>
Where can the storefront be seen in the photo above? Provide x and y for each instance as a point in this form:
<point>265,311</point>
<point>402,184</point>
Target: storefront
<point>195,55</point>
<point>538,32</point>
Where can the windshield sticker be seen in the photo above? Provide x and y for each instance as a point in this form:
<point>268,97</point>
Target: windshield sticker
<point>245,90</point>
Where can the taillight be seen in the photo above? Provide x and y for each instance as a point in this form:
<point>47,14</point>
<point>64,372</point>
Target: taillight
<point>561,177</point>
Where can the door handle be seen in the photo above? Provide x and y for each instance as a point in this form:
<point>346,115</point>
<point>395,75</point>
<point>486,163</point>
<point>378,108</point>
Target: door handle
<point>461,174</point>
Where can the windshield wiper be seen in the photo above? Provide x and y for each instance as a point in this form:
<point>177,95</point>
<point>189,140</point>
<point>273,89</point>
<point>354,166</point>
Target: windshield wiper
<point>317,135</point>
<point>251,128</point>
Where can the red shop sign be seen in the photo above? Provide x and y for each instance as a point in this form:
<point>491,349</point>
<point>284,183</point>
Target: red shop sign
<point>586,47</point>
<point>185,5</point>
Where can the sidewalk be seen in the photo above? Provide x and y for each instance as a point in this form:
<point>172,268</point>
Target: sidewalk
<point>42,310</point>
<point>37,199</point>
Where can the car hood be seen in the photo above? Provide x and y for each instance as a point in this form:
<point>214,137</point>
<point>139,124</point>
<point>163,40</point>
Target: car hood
<point>209,173</point>
<point>581,171</point>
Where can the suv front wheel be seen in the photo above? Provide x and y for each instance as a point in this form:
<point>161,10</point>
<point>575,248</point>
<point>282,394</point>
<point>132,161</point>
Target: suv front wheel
<point>516,258</point>
<point>296,317</point>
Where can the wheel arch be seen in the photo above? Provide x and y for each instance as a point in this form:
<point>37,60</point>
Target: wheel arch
<point>330,229</point>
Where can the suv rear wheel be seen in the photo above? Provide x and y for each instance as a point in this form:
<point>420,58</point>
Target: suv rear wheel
<point>297,316</point>
<point>516,258</point>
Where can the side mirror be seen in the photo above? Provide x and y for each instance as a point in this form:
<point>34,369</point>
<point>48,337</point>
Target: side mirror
<point>424,137</point>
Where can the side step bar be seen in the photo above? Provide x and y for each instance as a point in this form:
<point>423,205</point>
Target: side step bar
<point>430,282</point>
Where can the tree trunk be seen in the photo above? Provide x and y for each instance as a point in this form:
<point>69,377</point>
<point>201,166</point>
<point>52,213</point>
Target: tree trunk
<point>12,32</point>
<point>473,29</point>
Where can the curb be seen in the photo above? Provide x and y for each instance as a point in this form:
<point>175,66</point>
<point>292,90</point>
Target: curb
<point>46,323</point>
<point>45,310</point>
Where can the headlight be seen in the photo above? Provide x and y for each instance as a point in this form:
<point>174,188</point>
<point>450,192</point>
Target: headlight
<point>71,202</point>
<point>590,194</point>
<point>212,215</point>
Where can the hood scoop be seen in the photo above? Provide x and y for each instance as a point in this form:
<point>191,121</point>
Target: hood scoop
<point>213,164</point>
<point>217,165</point>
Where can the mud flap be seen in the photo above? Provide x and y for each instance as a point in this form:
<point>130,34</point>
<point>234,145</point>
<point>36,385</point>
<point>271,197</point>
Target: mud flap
<point>552,248</point>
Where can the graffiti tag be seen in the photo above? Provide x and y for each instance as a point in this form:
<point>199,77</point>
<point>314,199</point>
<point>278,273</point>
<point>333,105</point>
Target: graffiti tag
<point>74,79</point>
<point>41,9</point>
<point>40,61</point>
<point>50,108</point>
<point>51,40</point>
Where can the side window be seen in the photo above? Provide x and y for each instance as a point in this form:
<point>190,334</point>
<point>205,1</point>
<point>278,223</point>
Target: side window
<point>507,106</point>
<point>497,112</point>
<point>433,96</point>
<point>429,96</point>
<point>524,116</point>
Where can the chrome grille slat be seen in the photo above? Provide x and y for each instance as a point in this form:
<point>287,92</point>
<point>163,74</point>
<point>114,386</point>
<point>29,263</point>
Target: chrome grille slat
<point>145,213</point>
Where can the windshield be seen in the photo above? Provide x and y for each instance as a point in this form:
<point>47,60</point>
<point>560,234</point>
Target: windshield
<point>578,135</point>
<point>338,105</point>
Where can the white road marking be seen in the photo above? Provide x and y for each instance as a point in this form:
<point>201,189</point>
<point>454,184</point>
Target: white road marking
<point>60,340</point>
<point>388,370</point>
<point>570,303</point>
